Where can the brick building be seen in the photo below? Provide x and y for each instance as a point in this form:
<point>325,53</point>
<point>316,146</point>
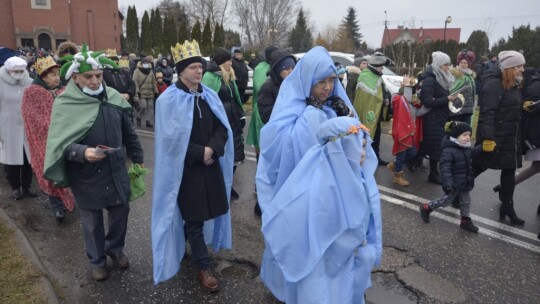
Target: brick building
<point>420,35</point>
<point>47,23</point>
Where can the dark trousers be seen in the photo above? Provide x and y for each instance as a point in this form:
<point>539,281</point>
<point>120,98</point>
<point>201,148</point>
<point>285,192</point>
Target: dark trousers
<point>19,175</point>
<point>199,251</point>
<point>377,137</point>
<point>56,203</point>
<point>508,183</point>
<point>97,244</point>
<point>403,157</point>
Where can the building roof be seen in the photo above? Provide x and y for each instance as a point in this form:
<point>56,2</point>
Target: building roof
<point>392,36</point>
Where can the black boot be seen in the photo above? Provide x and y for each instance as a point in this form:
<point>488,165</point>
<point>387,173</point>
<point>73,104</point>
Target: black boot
<point>467,224</point>
<point>507,209</point>
<point>26,191</point>
<point>257,209</point>
<point>538,210</point>
<point>434,174</point>
<point>424,212</point>
<point>16,194</point>
<point>497,188</point>
<point>234,194</point>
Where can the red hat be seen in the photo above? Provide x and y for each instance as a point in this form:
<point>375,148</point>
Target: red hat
<point>467,55</point>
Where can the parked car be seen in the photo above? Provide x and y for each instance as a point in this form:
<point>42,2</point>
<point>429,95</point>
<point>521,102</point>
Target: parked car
<point>391,80</point>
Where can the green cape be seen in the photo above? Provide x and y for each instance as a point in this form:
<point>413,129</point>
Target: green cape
<point>368,99</point>
<point>255,125</point>
<point>213,81</point>
<point>73,114</point>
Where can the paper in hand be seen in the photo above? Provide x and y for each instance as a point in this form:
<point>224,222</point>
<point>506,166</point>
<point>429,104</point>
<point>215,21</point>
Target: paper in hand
<point>103,150</point>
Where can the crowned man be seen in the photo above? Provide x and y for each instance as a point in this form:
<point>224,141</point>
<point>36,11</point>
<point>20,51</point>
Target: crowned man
<point>86,115</point>
<point>194,150</point>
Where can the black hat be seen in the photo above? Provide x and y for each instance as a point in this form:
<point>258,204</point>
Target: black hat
<point>268,53</point>
<point>237,50</point>
<point>457,128</point>
<point>221,56</point>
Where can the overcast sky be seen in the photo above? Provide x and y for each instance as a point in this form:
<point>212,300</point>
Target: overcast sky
<point>496,17</point>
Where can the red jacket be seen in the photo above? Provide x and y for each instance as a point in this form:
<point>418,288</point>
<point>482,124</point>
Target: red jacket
<point>403,125</point>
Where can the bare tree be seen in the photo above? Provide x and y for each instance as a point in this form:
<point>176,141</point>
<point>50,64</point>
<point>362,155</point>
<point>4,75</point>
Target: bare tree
<point>266,22</point>
<point>212,9</point>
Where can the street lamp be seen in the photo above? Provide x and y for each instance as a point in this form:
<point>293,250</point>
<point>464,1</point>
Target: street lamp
<point>448,20</point>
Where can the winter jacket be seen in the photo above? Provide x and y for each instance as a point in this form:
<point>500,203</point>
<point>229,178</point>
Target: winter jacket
<point>435,97</point>
<point>531,120</point>
<point>120,80</point>
<point>167,71</point>
<point>464,80</point>
<point>231,102</point>
<point>352,79</point>
<point>12,138</point>
<point>455,165</point>
<point>145,82</point>
<point>499,120</point>
<point>241,73</point>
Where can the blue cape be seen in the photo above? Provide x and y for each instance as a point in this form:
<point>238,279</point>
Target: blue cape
<point>174,119</point>
<point>329,210</point>
<point>292,126</point>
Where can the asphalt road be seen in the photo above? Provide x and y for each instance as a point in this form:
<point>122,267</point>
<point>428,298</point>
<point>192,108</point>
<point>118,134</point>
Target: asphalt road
<point>423,263</point>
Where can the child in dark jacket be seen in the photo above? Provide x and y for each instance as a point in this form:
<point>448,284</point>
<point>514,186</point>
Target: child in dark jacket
<point>456,174</point>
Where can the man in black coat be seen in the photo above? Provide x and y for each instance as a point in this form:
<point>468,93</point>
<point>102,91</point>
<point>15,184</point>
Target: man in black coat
<point>241,73</point>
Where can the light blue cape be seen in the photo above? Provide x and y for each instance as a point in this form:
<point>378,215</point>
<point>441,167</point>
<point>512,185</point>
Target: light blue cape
<point>174,119</point>
<point>323,229</point>
<point>292,126</point>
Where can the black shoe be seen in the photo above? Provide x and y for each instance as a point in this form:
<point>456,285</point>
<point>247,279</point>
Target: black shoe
<point>120,260</point>
<point>16,194</point>
<point>538,210</point>
<point>434,177</point>
<point>424,212</point>
<point>149,125</point>
<point>467,224</point>
<point>257,210</point>
<point>60,215</point>
<point>234,194</point>
<point>497,188</point>
<point>28,193</point>
<point>138,122</point>
<point>507,209</point>
<point>383,162</point>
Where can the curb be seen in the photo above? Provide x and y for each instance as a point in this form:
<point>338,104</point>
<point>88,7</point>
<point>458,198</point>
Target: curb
<point>29,252</point>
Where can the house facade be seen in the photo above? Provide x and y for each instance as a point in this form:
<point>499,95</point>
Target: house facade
<point>420,35</point>
<point>44,24</point>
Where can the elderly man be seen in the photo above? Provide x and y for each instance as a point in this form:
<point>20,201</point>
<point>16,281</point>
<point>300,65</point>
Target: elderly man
<point>194,150</point>
<point>370,98</point>
<point>90,128</point>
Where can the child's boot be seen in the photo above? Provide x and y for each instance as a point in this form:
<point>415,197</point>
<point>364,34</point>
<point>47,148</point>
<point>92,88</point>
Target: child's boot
<point>467,224</point>
<point>424,212</point>
<point>400,179</point>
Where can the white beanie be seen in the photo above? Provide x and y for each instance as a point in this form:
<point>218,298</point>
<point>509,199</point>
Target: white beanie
<point>440,58</point>
<point>510,59</point>
<point>15,64</point>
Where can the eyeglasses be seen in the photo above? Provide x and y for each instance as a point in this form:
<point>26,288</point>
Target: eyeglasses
<point>323,83</point>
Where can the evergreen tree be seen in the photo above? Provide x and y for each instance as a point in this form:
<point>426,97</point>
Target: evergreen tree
<point>300,38</point>
<point>218,36</point>
<point>132,30</point>
<point>478,43</point>
<point>170,35</point>
<point>196,32</point>
<point>157,31</point>
<point>350,30</point>
<point>146,34</point>
<point>232,38</point>
<point>183,32</point>
<point>206,40</point>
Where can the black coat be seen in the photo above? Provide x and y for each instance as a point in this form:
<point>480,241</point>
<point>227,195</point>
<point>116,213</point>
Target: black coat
<point>531,120</point>
<point>202,194</point>
<point>435,97</point>
<point>167,71</point>
<point>241,73</point>
<point>499,120</point>
<point>120,80</point>
<point>455,165</point>
<point>104,183</point>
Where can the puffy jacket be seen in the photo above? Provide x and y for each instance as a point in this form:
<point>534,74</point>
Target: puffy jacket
<point>455,165</point>
<point>241,73</point>
<point>531,120</point>
<point>166,70</point>
<point>499,120</point>
<point>145,82</point>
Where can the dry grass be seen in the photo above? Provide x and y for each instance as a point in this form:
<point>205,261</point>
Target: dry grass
<point>19,279</point>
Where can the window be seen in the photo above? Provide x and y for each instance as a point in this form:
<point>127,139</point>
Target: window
<point>40,4</point>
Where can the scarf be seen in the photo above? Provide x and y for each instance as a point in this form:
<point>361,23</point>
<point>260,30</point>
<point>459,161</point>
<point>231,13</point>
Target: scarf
<point>466,71</point>
<point>445,79</point>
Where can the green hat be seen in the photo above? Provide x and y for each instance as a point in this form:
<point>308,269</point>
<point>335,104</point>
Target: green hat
<point>85,61</point>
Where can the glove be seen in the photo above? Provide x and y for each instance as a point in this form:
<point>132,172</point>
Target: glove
<point>488,145</point>
<point>448,190</point>
<point>339,106</point>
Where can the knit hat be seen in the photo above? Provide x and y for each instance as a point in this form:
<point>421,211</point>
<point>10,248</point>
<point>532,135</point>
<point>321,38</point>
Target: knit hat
<point>457,128</point>
<point>268,53</point>
<point>15,63</point>
<point>483,59</point>
<point>378,60</point>
<point>340,69</point>
<point>67,48</point>
<point>237,50</point>
<point>440,58</point>
<point>510,59</point>
<point>85,61</point>
<point>285,63</point>
<point>221,56</point>
<point>467,55</point>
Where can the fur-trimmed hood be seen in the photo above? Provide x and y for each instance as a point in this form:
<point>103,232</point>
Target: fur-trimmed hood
<point>4,76</point>
<point>458,73</point>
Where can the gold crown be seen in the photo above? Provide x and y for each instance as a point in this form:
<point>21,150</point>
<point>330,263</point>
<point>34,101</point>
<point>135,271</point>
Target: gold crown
<point>111,53</point>
<point>43,64</point>
<point>186,50</point>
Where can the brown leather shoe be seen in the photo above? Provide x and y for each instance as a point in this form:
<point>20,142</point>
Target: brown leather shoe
<point>208,281</point>
<point>100,273</point>
<point>120,260</point>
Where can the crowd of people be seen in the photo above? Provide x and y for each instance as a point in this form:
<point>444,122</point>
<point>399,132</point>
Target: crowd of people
<point>71,121</point>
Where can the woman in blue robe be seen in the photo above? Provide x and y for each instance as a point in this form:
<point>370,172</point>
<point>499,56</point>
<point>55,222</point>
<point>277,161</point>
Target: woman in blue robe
<point>323,228</point>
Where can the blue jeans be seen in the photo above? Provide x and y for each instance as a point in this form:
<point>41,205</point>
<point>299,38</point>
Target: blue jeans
<point>464,202</point>
<point>199,251</point>
<point>97,244</point>
<point>403,157</point>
